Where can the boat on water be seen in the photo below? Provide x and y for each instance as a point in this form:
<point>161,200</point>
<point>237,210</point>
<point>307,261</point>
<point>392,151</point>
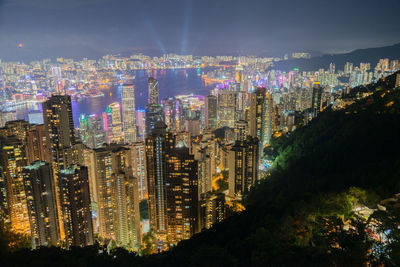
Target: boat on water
<point>99,94</point>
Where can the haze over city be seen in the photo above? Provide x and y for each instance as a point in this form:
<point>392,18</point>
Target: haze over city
<point>92,28</point>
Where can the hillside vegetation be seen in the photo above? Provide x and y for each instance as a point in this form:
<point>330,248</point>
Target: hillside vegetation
<point>356,57</point>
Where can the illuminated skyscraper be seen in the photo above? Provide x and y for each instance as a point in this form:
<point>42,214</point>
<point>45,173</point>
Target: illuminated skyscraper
<point>193,126</point>
<point>129,112</point>
<point>101,180</point>
<point>211,112</point>
<point>181,188</point>
<point>243,166</point>
<point>154,114</point>
<point>168,113</point>
<point>107,124</point>
<point>12,160</point>
<point>138,157</point>
<point>41,202</point>
<point>268,118</point>
<point>75,206</point>
<point>212,209</point>
<point>257,112</point>
<point>60,139</point>
<point>153,91</point>
<point>205,152</point>
<point>3,96</point>
<point>125,200</point>
<point>173,187</point>
<point>227,108</point>
<point>126,217</point>
<point>239,74</point>
<point>18,128</point>
<point>241,130</point>
<point>96,134</point>
<point>116,127</point>
<point>394,65</point>
<point>36,144</point>
<point>257,117</point>
<point>158,146</point>
<point>116,195</point>
<point>316,103</point>
<point>348,67</point>
<point>57,78</point>
<point>60,134</point>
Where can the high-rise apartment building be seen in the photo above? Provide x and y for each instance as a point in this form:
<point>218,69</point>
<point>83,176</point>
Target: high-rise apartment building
<point>12,160</point>
<point>158,146</point>
<point>116,194</point>
<point>125,199</point>
<point>18,128</point>
<point>243,166</point>
<point>316,101</point>
<point>75,206</point>
<point>129,113</point>
<point>181,190</point>
<point>257,113</point>
<point>36,144</point>
<point>60,134</point>
<point>212,209</point>
<point>257,118</point>
<point>173,187</point>
<point>268,118</point>
<point>101,170</point>
<point>60,139</point>
<point>205,152</point>
<point>211,112</point>
<point>126,217</point>
<point>241,130</point>
<point>348,68</point>
<point>139,168</point>
<point>41,203</point>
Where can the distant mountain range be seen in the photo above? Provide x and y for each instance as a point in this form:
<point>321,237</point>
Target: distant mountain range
<point>27,54</point>
<point>371,55</point>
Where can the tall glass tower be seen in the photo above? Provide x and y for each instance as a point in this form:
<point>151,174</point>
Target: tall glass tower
<point>129,113</point>
<point>153,91</point>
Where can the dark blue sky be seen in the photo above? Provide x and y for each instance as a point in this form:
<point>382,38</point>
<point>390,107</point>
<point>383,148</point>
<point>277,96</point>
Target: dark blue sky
<point>96,27</point>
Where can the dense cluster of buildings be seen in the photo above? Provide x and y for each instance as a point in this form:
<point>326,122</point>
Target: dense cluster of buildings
<point>192,158</point>
<point>32,83</point>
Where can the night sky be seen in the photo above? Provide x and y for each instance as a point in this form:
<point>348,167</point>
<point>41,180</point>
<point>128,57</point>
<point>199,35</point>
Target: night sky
<point>91,28</point>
